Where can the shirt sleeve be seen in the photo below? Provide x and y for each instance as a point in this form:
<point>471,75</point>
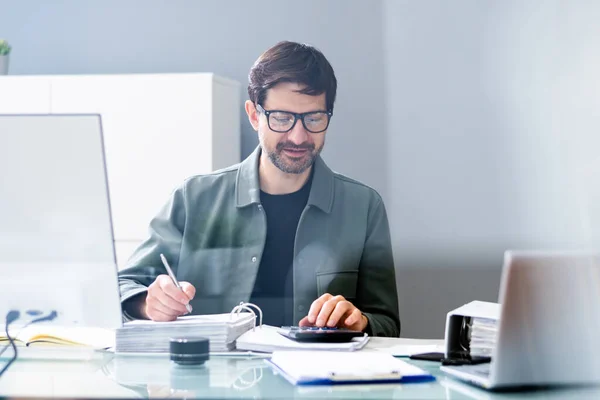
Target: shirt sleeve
<point>144,265</point>
<point>377,295</point>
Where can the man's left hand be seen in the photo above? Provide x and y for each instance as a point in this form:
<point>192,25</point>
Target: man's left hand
<point>332,311</point>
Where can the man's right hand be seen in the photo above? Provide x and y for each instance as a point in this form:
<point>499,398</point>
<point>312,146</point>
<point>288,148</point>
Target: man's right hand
<point>165,301</point>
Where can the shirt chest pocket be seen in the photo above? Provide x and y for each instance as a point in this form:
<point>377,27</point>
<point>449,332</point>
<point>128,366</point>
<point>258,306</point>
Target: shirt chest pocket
<point>338,283</point>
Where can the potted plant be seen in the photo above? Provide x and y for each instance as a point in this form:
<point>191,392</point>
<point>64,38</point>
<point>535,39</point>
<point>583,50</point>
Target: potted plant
<point>4,52</point>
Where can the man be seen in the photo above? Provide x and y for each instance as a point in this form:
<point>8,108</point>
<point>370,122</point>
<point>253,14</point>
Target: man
<point>280,229</point>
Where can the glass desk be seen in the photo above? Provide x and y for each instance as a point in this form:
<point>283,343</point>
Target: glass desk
<point>110,376</point>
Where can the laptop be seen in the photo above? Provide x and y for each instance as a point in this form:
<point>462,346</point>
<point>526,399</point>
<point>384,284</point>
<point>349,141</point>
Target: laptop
<point>549,327</point>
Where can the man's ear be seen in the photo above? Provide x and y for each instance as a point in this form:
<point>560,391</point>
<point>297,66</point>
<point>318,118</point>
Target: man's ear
<point>252,114</point>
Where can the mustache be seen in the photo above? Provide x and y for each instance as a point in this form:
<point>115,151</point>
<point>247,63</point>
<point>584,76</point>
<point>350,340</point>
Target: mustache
<point>292,146</point>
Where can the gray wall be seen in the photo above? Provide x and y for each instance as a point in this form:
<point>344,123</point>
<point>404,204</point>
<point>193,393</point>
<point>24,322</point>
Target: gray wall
<point>493,111</point>
<point>476,120</point>
<point>224,37</point>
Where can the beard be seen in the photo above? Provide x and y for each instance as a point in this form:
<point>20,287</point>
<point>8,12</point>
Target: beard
<point>293,165</point>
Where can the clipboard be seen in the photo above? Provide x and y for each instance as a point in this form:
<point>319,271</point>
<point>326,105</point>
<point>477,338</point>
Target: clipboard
<point>327,368</point>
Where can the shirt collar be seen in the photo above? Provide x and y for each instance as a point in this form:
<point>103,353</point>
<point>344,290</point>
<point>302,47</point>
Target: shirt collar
<point>247,187</point>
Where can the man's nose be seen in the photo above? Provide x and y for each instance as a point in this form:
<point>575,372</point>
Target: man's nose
<point>298,134</point>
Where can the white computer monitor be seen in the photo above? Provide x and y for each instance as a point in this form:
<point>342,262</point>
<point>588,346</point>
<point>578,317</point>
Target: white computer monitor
<point>56,237</point>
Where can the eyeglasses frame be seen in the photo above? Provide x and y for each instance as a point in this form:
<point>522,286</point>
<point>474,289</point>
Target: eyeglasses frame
<point>297,116</point>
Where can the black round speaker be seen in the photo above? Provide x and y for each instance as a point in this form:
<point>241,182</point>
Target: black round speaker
<point>189,350</point>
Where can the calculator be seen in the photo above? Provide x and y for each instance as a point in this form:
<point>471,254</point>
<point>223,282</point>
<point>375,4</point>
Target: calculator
<point>316,334</point>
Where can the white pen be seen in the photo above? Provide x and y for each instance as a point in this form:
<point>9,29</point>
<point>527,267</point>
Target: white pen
<point>188,307</point>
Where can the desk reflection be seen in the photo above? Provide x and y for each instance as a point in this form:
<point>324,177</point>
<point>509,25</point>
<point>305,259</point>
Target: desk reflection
<point>224,377</point>
<point>158,377</point>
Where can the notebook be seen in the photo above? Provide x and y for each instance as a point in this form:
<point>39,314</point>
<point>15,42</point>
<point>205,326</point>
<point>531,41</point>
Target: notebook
<point>266,338</point>
<point>144,336</point>
<point>325,368</point>
<point>36,335</point>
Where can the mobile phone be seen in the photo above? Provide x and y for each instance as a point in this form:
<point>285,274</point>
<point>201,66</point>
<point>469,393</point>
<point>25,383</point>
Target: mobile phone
<point>428,356</point>
<point>456,359</point>
<point>471,360</point>
<point>316,334</point>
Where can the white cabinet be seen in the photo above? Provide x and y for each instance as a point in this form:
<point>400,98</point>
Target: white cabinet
<point>24,94</point>
<point>158,130</point>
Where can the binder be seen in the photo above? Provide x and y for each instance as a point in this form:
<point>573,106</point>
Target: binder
<point>144,336</point>
<point>238,330</point>
<point>330,368</point>
<point>459,328</point>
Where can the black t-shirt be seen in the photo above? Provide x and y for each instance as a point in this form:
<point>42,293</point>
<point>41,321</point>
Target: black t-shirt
<point>274,288</point>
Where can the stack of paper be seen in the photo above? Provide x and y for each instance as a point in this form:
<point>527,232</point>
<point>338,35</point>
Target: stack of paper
<point>483,336</point>
<point>322,367</point>
<point>153,337</point>
<point>267,339</point>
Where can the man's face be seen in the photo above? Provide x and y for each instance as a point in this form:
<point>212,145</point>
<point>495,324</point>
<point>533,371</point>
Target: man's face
<point>295,151</point>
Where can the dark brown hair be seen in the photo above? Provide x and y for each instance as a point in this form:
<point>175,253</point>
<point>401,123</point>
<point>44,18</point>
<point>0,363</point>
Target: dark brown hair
<point>292,62</point>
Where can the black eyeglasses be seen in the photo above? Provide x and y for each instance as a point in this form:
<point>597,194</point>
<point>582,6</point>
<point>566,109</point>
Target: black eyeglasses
<point>284,121</point>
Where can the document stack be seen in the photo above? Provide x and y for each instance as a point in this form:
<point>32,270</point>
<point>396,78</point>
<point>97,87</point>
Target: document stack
<point>483,336</point>
<point>153,337</point>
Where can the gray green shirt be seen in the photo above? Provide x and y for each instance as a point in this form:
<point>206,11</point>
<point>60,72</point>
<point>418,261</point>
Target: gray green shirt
<point>213,229</point>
